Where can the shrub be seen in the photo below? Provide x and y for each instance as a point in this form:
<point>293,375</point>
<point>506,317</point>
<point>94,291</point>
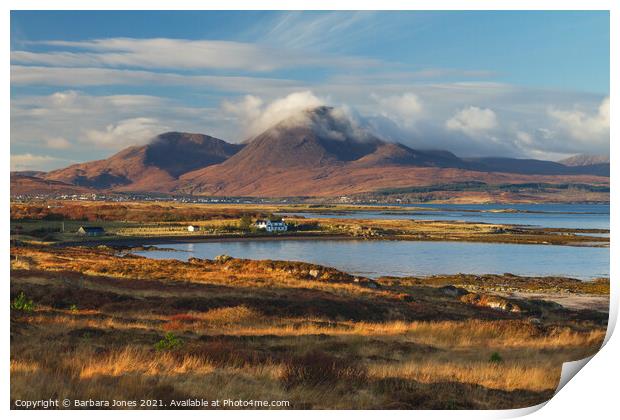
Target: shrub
<point>21,303</point>
<point>229,228</point>
<point>169,342</point>
<point>496,358</point>
<point>318,368</point>
<point>231,315</point>
<point>245,223</point>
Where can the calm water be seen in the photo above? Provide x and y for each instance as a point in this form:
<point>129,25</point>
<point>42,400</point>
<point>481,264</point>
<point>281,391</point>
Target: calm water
<point>585,216</point>
<point>403,258</point>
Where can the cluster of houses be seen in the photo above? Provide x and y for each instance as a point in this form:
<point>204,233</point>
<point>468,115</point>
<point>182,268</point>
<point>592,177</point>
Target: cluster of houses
<point>264,224</point>
<point>271,226</point>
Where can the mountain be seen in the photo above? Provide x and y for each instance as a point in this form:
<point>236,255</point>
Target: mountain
<point>32,185</point>
<point>537,167</point>
<point>534,167</point>
<point>594,164</point>
<point>585,160</point>
<point>399,154</point>
<point>36,174</point>
<point>152,167</point>
<point>321,152</point>
<point>317,152</point>
<point>316,144</point>
<point>315,138</point>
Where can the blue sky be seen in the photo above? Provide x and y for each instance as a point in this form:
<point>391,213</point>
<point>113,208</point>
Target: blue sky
<point>86,84</point>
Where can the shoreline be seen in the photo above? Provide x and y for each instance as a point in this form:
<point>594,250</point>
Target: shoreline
<point>159,240</point>
<point>141,241</point>
<point>572,293</point>
<point>575,301</point>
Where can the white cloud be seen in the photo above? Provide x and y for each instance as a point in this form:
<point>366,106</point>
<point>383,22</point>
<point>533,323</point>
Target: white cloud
<point>583,127</point>
<point>318,31</point>
<point>417,119</point>
<point>168,53</point>
<point>62,99</point>
<point>249,108</point>
<point>28,161</point>
<point>256,116</point>
<point>129,132</point>
<point>473,121</point>
<point>92,76</point>
<point>405,108</point>
<point>57,143</point>
<point>75,121</point>
<point>75,102</point>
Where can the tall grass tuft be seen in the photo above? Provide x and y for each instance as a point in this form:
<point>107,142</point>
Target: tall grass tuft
<point>318,368</point>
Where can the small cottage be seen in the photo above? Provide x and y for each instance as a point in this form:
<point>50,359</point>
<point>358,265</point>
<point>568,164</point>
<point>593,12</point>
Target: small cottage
<point>90,231</point>
<point>271,226</point>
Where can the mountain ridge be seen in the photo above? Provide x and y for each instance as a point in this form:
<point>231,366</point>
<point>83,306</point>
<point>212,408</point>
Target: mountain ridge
<point>155,165</point>
<point>317,152</point>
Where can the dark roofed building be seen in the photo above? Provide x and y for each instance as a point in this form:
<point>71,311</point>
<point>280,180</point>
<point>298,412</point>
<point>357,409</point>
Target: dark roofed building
<point>90,230</point>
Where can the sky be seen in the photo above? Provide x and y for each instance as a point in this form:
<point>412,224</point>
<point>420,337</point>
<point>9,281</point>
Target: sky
<point>85,85</point>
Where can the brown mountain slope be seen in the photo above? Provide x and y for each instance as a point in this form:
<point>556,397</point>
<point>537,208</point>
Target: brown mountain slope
<point>321,153</point>
<point>318,152</point>
<point>152,167</point>
<point>317,137</point>
<point>351,179</point>
<point>32,185</point>
<point>399,154</point>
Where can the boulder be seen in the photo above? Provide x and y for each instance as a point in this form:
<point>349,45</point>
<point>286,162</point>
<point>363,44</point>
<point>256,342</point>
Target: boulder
<point>223,258</point>
<point>490,301</point>
<point>453,291</point>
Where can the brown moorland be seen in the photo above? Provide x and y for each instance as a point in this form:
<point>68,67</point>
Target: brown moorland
<point>105,326</point>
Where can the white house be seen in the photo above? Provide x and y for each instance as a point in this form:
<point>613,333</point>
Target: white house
<point>192,228</point>
<point>270,226</point>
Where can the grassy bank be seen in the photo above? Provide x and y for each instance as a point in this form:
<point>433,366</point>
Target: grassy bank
<point>149,223</point>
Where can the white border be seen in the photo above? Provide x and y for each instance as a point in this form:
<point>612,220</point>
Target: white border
<point>592,395</point>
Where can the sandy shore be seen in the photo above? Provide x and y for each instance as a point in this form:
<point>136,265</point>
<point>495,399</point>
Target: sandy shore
<point>569,301</point>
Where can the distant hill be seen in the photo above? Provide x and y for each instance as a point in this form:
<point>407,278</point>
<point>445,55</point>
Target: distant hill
<point>585,160</point>
<point>152,167</point>
<point>28,173</point>
<point>31,185</point>
<point>535,167</point>
<point>318,152</point>
<point>590,164</point>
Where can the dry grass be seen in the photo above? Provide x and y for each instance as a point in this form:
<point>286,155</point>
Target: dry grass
<point>263,331</point>
<point>84,355</point>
